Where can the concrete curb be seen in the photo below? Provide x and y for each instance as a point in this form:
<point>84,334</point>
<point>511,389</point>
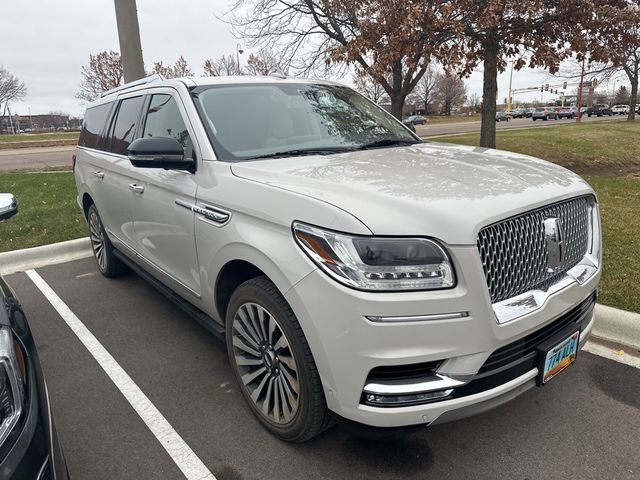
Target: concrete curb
<point>19,260</point>
<point>612,324</point>
<point>617,326</point>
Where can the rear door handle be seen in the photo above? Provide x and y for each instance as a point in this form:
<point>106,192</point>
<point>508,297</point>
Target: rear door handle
<point>135,188</point>
<point>99,174</point>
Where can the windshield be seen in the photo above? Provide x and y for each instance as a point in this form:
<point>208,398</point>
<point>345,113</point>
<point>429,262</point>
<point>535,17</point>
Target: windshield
<point>267,120</point>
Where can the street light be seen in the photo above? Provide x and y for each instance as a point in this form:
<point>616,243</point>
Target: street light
<point>239,51</point>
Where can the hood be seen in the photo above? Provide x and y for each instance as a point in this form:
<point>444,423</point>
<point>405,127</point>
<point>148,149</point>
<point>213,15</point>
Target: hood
<point>430,189</point>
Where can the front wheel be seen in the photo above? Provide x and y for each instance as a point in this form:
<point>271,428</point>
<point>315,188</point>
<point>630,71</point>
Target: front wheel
<point>108,264</point>
<point>272,363</point>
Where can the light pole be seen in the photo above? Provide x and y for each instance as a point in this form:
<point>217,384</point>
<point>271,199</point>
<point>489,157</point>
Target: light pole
<point>510,80</point>
<point>239,51</point>
<point>579,113</point>
<point>129,38</point>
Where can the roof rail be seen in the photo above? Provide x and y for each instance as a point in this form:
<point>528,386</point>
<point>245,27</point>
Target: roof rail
<point>156,77</point>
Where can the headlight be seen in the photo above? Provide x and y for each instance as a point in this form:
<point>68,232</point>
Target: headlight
<point>12,376</point>
<point>377,263</point>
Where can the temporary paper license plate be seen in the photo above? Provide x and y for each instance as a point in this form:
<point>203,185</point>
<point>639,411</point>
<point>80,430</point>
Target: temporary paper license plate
<point>561,356</point>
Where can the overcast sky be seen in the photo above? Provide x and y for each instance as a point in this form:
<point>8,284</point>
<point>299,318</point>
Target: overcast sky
<point>46,42</point>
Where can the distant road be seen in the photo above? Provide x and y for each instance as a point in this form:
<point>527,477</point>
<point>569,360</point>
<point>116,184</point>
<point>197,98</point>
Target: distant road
<point>471,127</point>
<point>44,157</point>
<point>35,158</point>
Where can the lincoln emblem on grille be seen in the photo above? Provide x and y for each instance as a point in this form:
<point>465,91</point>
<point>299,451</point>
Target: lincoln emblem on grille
<point>555,243</point>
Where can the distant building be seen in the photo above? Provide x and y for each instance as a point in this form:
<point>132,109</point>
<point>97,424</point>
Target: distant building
<point>50,121</point>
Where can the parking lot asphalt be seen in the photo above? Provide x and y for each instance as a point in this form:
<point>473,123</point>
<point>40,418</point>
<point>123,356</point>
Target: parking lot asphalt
<point>36,158</point>
<point>584,424</point>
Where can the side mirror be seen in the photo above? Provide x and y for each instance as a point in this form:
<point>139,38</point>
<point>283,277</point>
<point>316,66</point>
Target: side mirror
<point>159,152</point>
<point>8,205</point>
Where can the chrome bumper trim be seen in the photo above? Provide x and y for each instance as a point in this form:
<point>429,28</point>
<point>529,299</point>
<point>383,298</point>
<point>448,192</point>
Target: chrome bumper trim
<point>420,385</point>
<point>417,318</point>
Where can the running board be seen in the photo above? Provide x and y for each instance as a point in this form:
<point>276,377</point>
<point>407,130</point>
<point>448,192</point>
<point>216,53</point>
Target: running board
<point>202,318</point>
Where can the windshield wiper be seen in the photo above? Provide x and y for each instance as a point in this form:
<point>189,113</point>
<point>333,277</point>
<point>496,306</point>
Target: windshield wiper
<point>302,151</point>
<point>388,142</point>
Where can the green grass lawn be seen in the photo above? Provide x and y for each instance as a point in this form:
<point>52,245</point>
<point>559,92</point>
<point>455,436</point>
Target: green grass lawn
<point>434,119</point>
<point>620,210</point>
<point>48,212</point>
<point>28,137</point>
<point>597,148</point>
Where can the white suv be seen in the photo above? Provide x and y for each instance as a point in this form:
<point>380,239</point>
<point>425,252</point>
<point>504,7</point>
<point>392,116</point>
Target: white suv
<point>355,271</point>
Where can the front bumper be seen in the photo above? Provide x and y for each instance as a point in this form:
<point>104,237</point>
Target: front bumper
<point>347,345</point>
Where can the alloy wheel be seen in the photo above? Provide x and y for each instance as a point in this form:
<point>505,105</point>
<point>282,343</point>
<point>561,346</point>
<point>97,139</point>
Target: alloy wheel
<point>265,362</point>
<point>97,240</point>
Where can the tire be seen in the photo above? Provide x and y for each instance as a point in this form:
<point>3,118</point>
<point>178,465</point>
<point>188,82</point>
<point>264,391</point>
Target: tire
<point>534,119</point>
<point>108,264</point>
<point>259,316</point>
<point>546,118</point>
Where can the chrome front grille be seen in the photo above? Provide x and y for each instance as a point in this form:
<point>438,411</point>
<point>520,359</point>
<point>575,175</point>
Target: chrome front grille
<point>514,251</point>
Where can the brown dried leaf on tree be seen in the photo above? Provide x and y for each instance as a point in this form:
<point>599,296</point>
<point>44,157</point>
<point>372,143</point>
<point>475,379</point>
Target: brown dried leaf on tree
<point>103,73</point>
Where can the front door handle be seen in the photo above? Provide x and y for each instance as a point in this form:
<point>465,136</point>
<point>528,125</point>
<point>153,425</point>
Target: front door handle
<point>135,188</point>
<point>98,174</point>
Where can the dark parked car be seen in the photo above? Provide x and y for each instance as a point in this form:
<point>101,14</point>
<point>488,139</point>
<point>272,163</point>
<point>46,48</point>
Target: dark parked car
<point>502,117</point>
<point>520,113</point>
<point>415,120</point>
<point>599,110</point>
<point>29,447</point>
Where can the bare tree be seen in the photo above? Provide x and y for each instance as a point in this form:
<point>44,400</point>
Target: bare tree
<point>474,102</point>
<point>393,41</point>
<point>450,91</point>
<point>265,62</point>
<point>222,66</point>
<point>368,87</point>
<point>11,88</point>
<point>178,70</point>
<point>425,88</point>
<point>103,73</point>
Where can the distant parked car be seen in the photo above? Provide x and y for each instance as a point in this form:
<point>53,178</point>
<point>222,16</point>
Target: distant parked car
<point>565,112</point>
<point>415,120</point>
<point>529,113</point>
<point>544,113</point>
<point>620,109</point>
<point>520,113</point>
<point>502,117</point>
<point>599,110</point>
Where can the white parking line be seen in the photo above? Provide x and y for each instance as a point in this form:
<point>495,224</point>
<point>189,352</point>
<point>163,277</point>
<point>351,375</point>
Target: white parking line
<point>186,460</point>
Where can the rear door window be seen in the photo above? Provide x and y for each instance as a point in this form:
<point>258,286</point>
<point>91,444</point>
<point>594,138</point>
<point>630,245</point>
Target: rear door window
<point>124,128</point>
<point>164,120</point>
<point>93,126</point>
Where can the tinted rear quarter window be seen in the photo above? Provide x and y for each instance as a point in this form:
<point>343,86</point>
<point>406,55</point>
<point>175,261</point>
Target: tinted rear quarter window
<point>93,126</point>
<point>124,127</point>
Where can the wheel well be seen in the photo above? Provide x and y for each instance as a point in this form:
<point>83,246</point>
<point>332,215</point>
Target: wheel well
<point>232,275</point>
<point>87,201</point>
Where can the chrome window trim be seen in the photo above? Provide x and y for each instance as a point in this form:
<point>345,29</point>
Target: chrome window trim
<point>533,300</point>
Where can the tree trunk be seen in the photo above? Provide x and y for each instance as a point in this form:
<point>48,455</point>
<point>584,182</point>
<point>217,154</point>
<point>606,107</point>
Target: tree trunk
<point>489,91</point>
<point>397,105</point>
<point>634,96</point>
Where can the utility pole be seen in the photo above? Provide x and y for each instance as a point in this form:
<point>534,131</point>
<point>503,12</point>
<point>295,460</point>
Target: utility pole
<point>129,38</point>
<point>510,80</point>
<point>579,113</point>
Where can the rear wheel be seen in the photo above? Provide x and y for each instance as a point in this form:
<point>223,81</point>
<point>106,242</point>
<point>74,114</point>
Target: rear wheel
<point>272,362</point>
<point>108,263</point>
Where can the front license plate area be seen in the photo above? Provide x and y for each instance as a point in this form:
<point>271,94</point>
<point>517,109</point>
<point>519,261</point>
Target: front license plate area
<point>557,355</point>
